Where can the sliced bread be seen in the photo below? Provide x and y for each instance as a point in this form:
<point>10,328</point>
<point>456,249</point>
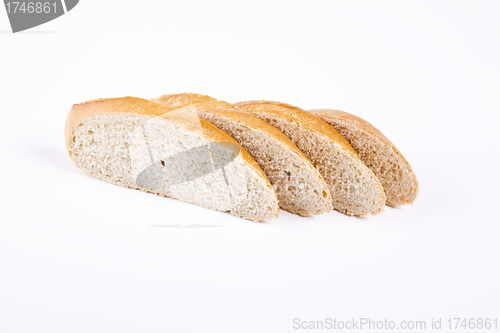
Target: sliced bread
<point>140,144</point>
<point>355,189</point>
<point>299,186</point>
<point>378,153</point>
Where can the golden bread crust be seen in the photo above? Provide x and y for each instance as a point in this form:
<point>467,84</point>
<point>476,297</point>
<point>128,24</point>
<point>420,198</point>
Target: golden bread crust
<point>144,107</point>
<point>349,117</point>
<point>296,115</point>
<point>333,116</point>
<point>312,123</point>
<point>185,99</point>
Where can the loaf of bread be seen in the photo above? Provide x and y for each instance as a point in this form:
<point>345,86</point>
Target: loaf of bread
<point>139,144</point>
<point>378,153</point>
<point>354,187</point>
<point>299,186</point>
<point>248,159</point>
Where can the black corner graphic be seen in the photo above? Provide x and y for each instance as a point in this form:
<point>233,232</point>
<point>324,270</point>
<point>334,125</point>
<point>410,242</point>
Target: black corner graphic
<point>25,15</point>
<point>70,4</point>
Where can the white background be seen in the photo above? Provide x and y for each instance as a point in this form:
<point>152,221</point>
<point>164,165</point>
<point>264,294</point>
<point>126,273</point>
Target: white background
<point>80,255</point>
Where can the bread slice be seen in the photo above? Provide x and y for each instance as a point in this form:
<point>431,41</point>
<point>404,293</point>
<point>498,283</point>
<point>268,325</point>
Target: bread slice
<point>299,186</point>
<point>378,153</point>
<point>139,144</point>
<point>355,189</point>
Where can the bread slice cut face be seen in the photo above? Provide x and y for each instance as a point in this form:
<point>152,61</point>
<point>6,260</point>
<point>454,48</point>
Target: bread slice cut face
<point>299,186</point>
<point>354,188</point>
<point>378,153</point>
<point>139,144</point>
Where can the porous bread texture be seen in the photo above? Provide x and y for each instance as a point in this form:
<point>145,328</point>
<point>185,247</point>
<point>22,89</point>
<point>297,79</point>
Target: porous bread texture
<point>378,153</point>
<point>354,188</point>
<point>299,186</point>
<point>118,147</point>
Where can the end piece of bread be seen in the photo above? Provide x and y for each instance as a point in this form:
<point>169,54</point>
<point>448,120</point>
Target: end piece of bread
<point>139,144</point>
<point>299,186</point>
<point>355,189</point>
<point>378,153</point>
